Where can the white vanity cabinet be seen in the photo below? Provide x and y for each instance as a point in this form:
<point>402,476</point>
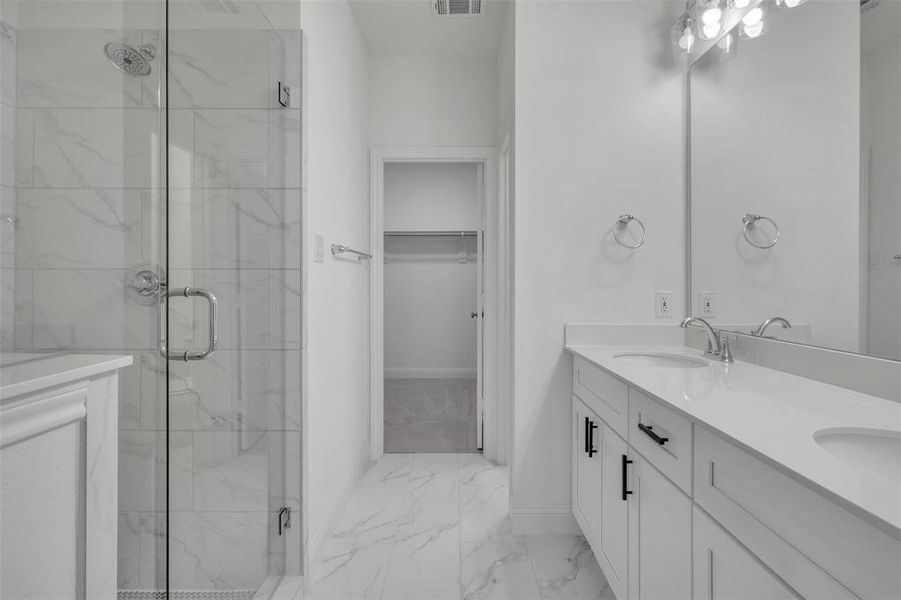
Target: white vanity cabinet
<point>630,513</point>
<point>586,492</point>
<point>672,510</point>
<point>58,481</point>
<point>659,536</point>
<point>723,568</point>
<point>613,547</point>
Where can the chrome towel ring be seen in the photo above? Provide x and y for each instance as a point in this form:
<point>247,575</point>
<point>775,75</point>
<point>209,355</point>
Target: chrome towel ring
<point>749,221</point>
<point>621,223</point>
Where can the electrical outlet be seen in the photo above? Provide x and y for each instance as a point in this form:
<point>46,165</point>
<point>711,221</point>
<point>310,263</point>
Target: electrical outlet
<point>707,302</point>
<point>320,248</point>
<point>664,305</point>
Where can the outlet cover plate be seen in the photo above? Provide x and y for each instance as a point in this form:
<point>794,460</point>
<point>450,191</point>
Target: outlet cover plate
<point>707,301</point>
<point>663,305</point>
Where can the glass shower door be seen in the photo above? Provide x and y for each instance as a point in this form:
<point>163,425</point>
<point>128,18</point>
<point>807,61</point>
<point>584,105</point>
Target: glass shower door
<point>233,301</point>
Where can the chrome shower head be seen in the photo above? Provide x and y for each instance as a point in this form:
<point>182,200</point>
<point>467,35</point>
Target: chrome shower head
<point>135,62</point>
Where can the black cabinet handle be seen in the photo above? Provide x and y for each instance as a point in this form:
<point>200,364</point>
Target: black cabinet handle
<point>591,449</point>
<point>587,439</point>
<point>626,491</point>
<point>649,431</point>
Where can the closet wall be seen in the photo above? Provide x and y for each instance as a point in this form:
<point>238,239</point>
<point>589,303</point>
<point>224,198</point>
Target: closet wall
<point>429,294</point>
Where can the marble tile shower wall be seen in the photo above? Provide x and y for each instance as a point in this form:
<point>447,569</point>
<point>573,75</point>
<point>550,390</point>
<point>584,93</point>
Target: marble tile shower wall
<point>8,223</point>
<point>90,203</point>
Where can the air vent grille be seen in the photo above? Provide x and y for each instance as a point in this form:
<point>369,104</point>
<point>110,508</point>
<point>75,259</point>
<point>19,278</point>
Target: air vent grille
<point>218,6</point>
<point>456,8</point>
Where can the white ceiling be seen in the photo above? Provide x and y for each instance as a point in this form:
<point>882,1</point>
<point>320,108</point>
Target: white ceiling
<point>408,27</point>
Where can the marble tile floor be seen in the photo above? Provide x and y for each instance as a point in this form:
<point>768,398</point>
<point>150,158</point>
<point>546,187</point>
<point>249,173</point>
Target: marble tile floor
<point>436,526</point>
<point>430,415</point>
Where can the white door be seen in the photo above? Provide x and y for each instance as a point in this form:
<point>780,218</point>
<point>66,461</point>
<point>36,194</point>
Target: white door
<point>726,570</point>
<point>659,536</point>
<point>615,484</point>
<point>480,312</point>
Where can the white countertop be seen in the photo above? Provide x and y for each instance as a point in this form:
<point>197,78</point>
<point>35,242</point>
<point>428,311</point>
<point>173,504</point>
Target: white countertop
<point>773,415</point>
<point>27,373</point>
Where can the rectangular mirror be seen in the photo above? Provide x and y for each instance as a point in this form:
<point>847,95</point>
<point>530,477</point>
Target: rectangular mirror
<point>795,176</point>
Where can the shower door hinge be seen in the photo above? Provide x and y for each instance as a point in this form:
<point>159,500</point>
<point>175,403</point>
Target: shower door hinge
<point>284,95</point>
<point>284,519</point>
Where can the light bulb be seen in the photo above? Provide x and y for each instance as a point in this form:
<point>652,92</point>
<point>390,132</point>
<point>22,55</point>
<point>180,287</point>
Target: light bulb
<point>752,31</point>
<point>727,43</point>
<point>711,31</point>
<point>789,3</point>
<point>712,16</point>
<point>739,4</point>
<point>687,41</point>
<point>753,17</point>
<point>683,35</point>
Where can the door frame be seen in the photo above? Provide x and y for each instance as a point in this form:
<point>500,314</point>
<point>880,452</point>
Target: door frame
<point>495,427</point>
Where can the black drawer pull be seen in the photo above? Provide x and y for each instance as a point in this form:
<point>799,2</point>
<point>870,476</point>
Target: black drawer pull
<point>649,431</point>
<point>626,491</point>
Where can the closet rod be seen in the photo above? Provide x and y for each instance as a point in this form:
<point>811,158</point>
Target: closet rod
<point>430,233</point>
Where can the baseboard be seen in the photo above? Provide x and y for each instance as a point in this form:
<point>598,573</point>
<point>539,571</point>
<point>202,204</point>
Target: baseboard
<point>551,520</point>
<point>429,373</point>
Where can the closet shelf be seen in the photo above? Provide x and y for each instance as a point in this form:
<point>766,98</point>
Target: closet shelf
<point>448,233</point>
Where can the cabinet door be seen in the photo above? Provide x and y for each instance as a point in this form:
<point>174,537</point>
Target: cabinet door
<point>659,536</point>
<point>726,570</point>
<point>613,553</point>
<point>586,472</point>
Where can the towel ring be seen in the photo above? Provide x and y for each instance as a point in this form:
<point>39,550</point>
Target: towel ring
<point>748,221</point>
<point>621,223</point>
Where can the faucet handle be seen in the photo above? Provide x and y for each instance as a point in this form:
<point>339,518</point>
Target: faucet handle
<point>725,351</point>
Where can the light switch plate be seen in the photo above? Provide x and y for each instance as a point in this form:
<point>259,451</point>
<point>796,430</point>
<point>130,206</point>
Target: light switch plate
<point>707,301</point>
<point>319,251</point>
<point>663,305</point>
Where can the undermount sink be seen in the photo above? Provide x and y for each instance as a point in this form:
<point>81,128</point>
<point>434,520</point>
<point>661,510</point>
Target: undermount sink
<point>667,361</point>
<point>874,450</point>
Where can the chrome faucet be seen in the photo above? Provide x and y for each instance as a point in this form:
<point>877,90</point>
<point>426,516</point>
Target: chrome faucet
<point>763,326</point>
<point>717,343</point>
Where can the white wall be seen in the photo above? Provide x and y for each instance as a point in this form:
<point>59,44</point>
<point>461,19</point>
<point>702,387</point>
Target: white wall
<point>429,295</point>
<point>336,303</point>
<point>598,133</point>
<point>775,131</point>
<point>431,196</point>
<point>428,101</point>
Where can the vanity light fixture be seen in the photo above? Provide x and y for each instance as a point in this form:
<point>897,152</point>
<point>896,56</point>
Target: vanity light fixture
<point>753,24</point>
<point>683,34</point>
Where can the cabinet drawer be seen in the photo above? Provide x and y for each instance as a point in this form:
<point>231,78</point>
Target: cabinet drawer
<point>603,393</point>
<point>662,436</point>
<point>801,535</point>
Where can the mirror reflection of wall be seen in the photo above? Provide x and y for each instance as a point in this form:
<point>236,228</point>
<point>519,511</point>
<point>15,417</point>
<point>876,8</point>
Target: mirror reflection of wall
<point>802,125</point>
<point>881,173</point>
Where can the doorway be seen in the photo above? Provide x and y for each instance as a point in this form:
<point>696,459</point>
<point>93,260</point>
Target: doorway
<point>433,311</point>
<point>432,284</point>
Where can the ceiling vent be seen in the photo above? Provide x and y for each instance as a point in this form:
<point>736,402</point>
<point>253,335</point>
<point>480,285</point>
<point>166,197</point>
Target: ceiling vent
<point>456,8</point>
<point>218,6</point>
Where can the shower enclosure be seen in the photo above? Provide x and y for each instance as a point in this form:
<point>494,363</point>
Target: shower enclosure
<point>150,205</point>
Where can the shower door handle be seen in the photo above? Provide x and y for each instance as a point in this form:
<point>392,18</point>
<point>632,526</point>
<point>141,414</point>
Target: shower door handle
<point>192,292</point>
